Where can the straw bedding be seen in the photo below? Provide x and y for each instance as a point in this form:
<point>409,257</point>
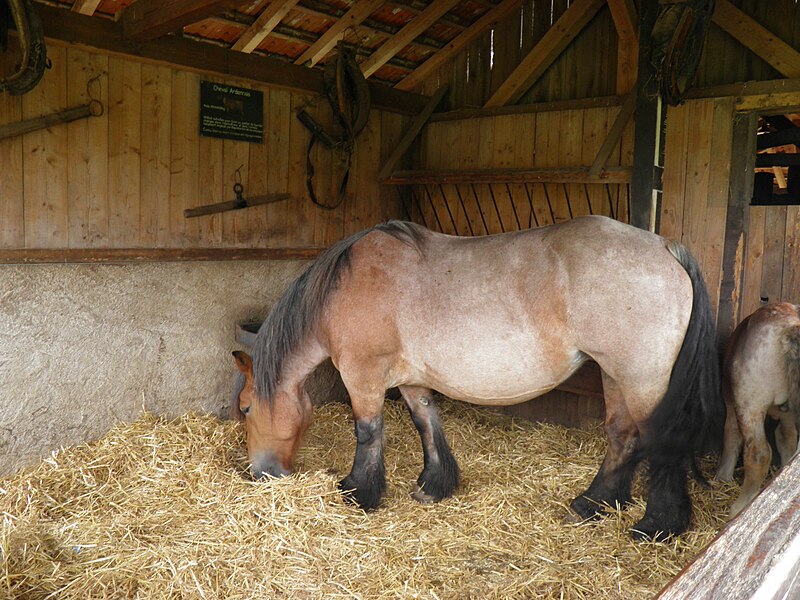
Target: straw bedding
<point>164,509</point>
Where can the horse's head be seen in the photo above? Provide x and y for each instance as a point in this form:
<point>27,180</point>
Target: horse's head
<point>274,426</point>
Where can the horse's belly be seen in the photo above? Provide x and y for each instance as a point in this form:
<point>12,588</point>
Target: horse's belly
<point>490,375</point>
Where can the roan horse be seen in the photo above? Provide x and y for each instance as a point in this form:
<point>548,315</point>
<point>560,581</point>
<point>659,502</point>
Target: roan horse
<point>495,320</point>
<point>760,377</point>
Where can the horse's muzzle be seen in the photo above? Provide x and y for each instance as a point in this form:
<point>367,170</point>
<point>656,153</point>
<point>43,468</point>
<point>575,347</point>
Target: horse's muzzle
<point>268,464</point>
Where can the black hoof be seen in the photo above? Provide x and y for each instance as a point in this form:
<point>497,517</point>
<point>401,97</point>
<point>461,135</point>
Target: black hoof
<point>586,508</point>
<point>648,531</point>
<point>365,497</point>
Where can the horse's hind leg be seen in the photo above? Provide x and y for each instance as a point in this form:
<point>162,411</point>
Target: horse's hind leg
<point>440,475</point>
<point>786,436</point>
<point>757,457</point>
<point>612,484</point>
<point>732,444</point>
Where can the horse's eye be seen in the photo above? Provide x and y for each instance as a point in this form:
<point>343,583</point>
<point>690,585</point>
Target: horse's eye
<point>244,410</point>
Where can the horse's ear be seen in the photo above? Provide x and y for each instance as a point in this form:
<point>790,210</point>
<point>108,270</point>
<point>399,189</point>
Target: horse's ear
<point>244,362</point>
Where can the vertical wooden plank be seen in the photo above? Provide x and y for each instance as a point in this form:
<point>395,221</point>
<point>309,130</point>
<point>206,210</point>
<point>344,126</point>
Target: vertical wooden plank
<point>211,188</point>
<point>595,127</point>
<point>674,177</point>
<point>483,192</point>
<point>155,160</point>
<point>772,267</point>
<point>697,182</point>
<point>300,218</point>
<point>87,158</point>
<point>278,174</point>
<point>524,135</point>
<point>184,145</point>
<point>12,224</point>
<point>754,259</point>
<point>571,153</point>
<point>365,189</point>
<point>392,129</point>
<point>124,149</point>
<point>504,157</point>
<point>327,175</point>
<point>235,168</point>
<point>258,166</point>
<point>717,198</point>
<point>790,288</point>
<point>45,160</point>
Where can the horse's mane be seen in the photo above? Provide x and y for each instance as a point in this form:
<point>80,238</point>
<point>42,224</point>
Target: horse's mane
<point>298,310</point>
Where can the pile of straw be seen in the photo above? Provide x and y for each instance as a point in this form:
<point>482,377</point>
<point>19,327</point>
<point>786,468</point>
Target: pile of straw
<point>160,509</point>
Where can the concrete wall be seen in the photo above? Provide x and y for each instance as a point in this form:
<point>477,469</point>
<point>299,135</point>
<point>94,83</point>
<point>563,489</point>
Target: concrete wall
<point>85,346</point>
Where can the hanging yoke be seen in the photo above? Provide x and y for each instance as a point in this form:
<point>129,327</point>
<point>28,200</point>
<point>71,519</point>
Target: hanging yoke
<point>348,95</point>
<point>31,42</point>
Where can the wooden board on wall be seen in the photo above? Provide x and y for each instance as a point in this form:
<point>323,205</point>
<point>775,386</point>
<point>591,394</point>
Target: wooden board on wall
<point>123,179</point>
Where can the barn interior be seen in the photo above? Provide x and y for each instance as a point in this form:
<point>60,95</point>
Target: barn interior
<point>137,233</point>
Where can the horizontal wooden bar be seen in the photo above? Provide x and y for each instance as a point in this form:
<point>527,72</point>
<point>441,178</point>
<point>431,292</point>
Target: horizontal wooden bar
<point>777,160</point>
<point>67,27</point>
<point>552,175</point>
<point>773,95</point>
<point>523,109</point>
<point>141,255</point>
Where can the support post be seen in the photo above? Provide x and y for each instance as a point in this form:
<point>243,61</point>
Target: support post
<point>648,146</point>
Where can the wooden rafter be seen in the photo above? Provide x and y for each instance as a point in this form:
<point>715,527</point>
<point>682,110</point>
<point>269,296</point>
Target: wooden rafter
<point>85,7</point>
<point>360,10</point>
<point>552,44</point>
<point>415,27</point>
<point>623,12</point>
<point>263,25</point>
<point>146,20</point>
<point>758,39</point>
<point>103,34</point>
<point>459,43</point>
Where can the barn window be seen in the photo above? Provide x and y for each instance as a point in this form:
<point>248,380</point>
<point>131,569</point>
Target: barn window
<point>777,173</point>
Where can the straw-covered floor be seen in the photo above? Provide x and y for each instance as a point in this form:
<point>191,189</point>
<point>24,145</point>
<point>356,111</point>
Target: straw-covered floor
<point>161,509</point>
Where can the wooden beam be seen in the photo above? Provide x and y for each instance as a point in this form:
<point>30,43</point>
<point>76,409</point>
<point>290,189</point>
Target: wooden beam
<point>623,12</point>
<point>125,255</point>
<point>263,25</point>
<point>85,7</point>
<point>543,54</point>
<point>459,43</point>
<point>758,39</point>
<point>411,133</point>
<point>406,35</point>
<point>360,10</point>
<point>525,109</point>
<point>614,134</point>
<point>150,19</point>
<point>740,191</point>
<point>103,34</point>
<point>757,555</point>
<point>543,175</point>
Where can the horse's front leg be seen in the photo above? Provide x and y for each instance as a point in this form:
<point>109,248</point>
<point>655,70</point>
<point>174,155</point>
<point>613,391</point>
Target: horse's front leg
<point>366,482</point>
<point>440,474</point>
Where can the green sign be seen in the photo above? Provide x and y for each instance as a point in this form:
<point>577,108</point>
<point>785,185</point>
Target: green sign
<point>231,112</point>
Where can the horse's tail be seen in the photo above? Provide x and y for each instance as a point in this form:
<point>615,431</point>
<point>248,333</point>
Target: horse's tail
<point>691,416</point>
<point>791,351</point>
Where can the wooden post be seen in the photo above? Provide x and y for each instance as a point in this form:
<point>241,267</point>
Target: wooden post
<point>741,185</point>
<point>648,146</point>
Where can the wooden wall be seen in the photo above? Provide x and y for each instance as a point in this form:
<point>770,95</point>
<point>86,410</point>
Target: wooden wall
<point>587,68</point>
<point>565,138</point>
<point>123,180</point>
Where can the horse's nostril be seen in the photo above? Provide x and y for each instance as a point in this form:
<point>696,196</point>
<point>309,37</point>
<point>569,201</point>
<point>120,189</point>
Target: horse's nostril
<point>268,466</point>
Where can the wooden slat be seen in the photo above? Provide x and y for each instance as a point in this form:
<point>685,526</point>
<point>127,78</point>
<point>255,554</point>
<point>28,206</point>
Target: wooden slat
<point>277,139</point>
<point>146,20</point>
<point>674,177</point>
<point>269,18</point>
<point>557,38</point>
<point>464,114</point>
<point>85,7</point>
<point>402,38</point>
<point>184,148</point>
<point>70,28</point>
<point>360,10</point>
<point>123,255</point>
<point>257,184</point>
<point>12,231</point>
<point>623,12</point>
<point>457,45</point>
<point>155,157</point>
<point>45,160</point>
<point>757,38</point>
<point>757,555</point>
<point>772,265</point>
<point>614,134</point>
<point>411,133</point>
<point>753,259</point>
<point>533,175</point>
<point>87,161</point>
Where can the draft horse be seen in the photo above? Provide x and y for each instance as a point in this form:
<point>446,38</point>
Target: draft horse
<point>496,320</point>
<point>760,377</point>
